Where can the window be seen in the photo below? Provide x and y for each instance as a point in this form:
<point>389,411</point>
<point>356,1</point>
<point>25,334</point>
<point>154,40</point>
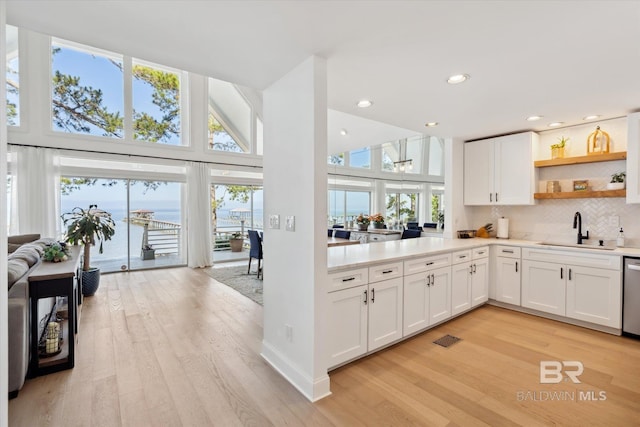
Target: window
<point>360,158</point>
<point>437,204</point>
<point>402,207</point>
<point>436,156</point>
<point>404,156</point>
<point>12,77</point>
<point>413,151</point>
<point>390,154</point>
<point>336,159</point>
<point>230,118</point>
<point>346,205</point>
<point>156,104</point>
<point>87,90</point>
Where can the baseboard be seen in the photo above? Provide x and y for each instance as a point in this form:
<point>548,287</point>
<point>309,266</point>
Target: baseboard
<point>312,389</point>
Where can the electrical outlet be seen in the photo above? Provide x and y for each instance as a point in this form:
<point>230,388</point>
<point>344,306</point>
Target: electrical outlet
<point>290,223</point>
<point>614,221</point>
<point>274,221</point>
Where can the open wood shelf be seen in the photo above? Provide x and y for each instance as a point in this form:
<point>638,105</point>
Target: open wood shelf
<point>581,194</point>
<point>620,155</point>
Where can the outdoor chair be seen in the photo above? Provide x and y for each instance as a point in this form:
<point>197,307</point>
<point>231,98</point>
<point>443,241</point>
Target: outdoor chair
<point>256,250</point>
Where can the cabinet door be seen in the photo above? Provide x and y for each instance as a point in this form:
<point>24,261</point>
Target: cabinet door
<point>508,280</point>
<point>480,282</point>
<point>416,303</point>
<point>478,173</point>
<point>460,287</point>
<point>594,295</point>
<point>514,170</point>
<point>543,286</point>
<point>385,312</point>
<point>439,295</point>
<point>347,324</point>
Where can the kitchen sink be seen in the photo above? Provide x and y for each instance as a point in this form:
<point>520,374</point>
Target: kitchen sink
<point>582,246</point>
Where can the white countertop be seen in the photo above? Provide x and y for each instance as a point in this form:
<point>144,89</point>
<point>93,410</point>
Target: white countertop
<point>360,255</point>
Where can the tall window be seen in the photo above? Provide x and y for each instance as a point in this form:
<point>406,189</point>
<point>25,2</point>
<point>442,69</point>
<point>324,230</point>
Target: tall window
<point>88,87</point>
<point>230,118</point>
<point>12,76</point>
<point>346,205</point>
<point>360,158</point>
<point>402,207</point>
<point>336,159</point>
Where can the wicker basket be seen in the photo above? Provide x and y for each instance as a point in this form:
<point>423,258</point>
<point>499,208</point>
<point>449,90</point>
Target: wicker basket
<point>466,234</point>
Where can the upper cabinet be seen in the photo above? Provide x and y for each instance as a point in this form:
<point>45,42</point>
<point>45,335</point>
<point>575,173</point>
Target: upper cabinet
<point>633,158</point>
<point>500,171</point>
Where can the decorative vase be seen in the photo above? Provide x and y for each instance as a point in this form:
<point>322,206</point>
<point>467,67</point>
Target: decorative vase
<point>598,142</point>
<point>362,227</point>
<point>557,152</point>
<point>90,281</point>
<point>378,225</point>
<point>615,186</point>
<point>236,245</point>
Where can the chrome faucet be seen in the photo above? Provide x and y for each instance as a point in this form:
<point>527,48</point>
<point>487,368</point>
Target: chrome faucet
<point>577,223</point>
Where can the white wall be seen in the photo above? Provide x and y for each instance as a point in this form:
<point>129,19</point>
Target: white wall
<point>295,183</point>
<point>4,319</point>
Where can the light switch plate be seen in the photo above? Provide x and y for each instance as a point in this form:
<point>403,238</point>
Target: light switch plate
<point>274,221</point>
<point>291,223</point>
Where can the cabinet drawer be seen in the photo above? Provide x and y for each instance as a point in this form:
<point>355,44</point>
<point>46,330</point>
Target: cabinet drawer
<point>461,256</point>
<point>577,257</point>
<point>419,265</point>
<point>478,253</point>
<point>348,279</point>
<point>508,251</point>
<point>385,271</point>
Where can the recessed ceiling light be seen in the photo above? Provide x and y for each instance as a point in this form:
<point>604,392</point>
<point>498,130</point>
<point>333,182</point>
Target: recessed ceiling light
<point>458,78</point>
<point>592,117</point>
<point>555,124</point>
<point>534,118</point>
<point>431,124</point>
<point>364,103</point>
<point>343,132</point>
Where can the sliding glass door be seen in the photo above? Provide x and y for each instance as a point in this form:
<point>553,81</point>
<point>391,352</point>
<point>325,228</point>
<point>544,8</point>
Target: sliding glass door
<point>148,216</point>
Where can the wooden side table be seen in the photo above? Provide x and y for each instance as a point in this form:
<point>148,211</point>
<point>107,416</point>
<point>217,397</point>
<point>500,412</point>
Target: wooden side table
<point>59,279</point>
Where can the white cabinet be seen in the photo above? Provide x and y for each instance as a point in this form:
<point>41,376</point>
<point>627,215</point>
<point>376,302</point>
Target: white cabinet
<point>594,295</point>
<point>469,279</point>
<point>586,286</point>
<point>379,237</point>
<point>347,316</point>
<point>508,267</point>
<point>427,299</point>
<point>500,171</point>
<point>385,312</point>
<point>543,286</point>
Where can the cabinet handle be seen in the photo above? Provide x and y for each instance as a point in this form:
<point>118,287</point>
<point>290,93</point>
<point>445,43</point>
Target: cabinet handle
<point>429,263</point>
<point>507,251</point>
<point>516,266</point>
<point>561,273</point>
<point>569,274</point>
<point>349,279</point>
<point>433,280</point>
<point>373,295</point>
<point>496,197</point>
<point>462,256</point>
<point>491,197</point>
<point>481,253</point>
<point>474,268</point>
<point>387,271</point>
<point>470,269</point>
<point>365,298</point>
<point>428,280</point>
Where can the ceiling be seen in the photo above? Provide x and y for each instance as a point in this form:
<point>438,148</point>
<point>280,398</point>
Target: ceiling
<point>560,59</point>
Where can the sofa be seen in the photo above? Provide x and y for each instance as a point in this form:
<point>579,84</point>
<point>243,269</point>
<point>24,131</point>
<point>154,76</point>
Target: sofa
<point>25,254</point>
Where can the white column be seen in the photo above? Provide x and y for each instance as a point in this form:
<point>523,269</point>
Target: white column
<point>295,184</point>
<point>455,215</point>
<point>4,317</point>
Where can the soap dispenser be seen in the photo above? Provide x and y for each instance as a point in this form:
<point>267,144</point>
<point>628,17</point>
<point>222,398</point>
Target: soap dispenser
<point>620,239</point>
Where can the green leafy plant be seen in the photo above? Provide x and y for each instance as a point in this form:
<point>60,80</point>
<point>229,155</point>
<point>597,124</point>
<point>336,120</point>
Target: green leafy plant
<point>85,226</point>
<point>618,177</point>
<point>236,235</point>
<point>562,143</point>
<point>56,252</point>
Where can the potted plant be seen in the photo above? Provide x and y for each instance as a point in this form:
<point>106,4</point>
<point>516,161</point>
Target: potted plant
<point>236,241</point>
<point>85,226</point>
<point>557,150</point>
<point>56,252</point>
<point>617,181</point>
<point>378,220</point>
<point>363,222</point>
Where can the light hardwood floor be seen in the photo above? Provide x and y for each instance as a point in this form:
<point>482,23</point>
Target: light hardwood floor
<point>173,347</point>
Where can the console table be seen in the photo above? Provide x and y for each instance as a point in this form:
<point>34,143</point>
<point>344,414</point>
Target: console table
<point>55,279</point>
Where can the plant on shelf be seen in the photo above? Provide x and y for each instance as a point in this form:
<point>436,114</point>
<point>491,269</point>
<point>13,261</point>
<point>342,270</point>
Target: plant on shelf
<point>617,181</point>
<point>85,226</point>
<point>377,219</point>
<point>56,252</point>
<point>236,241</point>
<point>557,150</point>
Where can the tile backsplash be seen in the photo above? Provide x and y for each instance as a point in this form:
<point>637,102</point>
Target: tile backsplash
<point>552,220</point>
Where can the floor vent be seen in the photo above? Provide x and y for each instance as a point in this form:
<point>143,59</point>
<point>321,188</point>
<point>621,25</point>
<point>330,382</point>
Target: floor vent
<point>447,341</point>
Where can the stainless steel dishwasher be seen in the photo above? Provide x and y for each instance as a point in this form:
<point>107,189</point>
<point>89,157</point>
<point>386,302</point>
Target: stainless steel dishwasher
<point>631,299</point>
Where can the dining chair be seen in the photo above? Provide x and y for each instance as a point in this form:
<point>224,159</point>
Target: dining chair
<point>342,234</point>
<point>338,225</point>
<point>410,234</point>
<point>330,232</point>
<point>255,252</point>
